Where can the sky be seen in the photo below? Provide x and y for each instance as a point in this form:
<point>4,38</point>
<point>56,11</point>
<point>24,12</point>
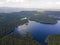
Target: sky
<point>44,4</point>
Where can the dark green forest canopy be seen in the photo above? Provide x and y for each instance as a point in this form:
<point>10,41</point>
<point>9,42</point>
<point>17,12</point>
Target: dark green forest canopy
<point>42,19</point>
<point>14,39</point>
<point>53,39</point>
<point>9,21</point>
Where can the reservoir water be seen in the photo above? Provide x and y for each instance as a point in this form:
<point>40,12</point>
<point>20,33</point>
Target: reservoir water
<point>39,27</point>
<point>38,31</point>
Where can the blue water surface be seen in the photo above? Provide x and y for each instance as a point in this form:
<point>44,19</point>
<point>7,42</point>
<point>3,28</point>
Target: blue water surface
<point>39,31</point>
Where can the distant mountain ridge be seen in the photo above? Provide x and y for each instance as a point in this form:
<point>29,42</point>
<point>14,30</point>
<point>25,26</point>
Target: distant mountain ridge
<point>27,11</point>
<point>9,10</point>
<point>12,9</point>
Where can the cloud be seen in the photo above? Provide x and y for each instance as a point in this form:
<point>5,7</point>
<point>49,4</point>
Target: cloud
<point>31,3</point>
<point>15,0</point>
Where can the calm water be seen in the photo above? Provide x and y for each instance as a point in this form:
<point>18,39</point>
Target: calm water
<point>21,23</point>
<point>39,31</point>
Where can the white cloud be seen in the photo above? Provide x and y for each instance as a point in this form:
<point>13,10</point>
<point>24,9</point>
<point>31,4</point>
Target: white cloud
<point>31,3</point>
<point>15,0</point>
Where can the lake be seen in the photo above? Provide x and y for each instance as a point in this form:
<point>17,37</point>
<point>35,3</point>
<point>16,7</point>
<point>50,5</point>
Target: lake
<point>38,31</point>
<point>39,26</point>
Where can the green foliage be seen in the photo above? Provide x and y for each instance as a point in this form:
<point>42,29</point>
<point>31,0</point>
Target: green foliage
<point>28,36</point>
<point>14,39</point>
<point>9,22</point>
<point>42,19</point>
<point>53,40</point>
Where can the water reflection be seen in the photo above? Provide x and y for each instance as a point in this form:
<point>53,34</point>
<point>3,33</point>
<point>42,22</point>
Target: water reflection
<point>8,24</point>
<point>35,25</point>
<point>23,28</point>
<point>39,31</point>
